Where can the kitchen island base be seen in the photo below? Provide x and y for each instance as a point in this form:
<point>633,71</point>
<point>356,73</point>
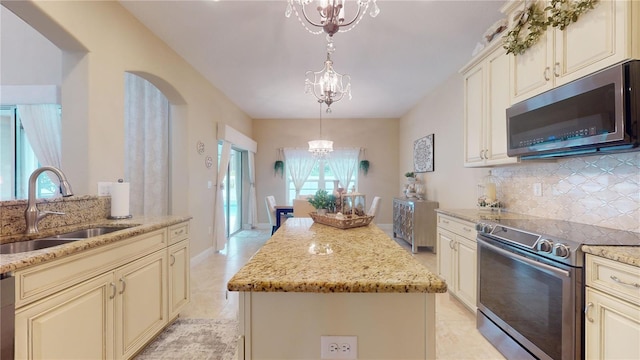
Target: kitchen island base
<point>284,325</point>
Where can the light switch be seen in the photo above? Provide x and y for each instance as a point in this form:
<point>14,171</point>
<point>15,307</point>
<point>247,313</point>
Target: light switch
<point>209,184</point>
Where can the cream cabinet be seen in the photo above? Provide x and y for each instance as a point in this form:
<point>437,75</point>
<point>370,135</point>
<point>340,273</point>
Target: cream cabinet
<point>457,249</point>
<point>601,37</point>
<point>104,303</point>
<point>486,99</point>
<point>612,310</point>
<point>179,284</point>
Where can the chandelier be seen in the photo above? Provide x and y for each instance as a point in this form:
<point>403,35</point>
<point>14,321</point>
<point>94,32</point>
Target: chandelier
<point>331,14</point>
<point>327,85</point>
<point>320,148</point>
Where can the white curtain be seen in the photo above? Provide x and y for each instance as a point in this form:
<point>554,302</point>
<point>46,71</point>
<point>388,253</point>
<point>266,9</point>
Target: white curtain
<point>252,214</point>
<point>300,162</point>
<point>43,127</point>
<point>146,147</point>
<point>221,224</point>
<point>343,164</point>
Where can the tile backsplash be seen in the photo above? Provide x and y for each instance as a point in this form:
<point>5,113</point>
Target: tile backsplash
<point>598,190</point>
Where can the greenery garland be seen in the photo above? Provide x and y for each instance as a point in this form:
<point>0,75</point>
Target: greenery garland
<point>564,12</point>
<point>561,14</point>
<point>534,21</point>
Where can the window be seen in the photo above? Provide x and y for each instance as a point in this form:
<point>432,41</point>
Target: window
<point>317,180</point>
<point>325,174</point>
<point>17,160</point>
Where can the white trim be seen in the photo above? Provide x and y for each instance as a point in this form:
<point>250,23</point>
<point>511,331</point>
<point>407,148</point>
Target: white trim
<point>198,259</point>
<point>236,138</point>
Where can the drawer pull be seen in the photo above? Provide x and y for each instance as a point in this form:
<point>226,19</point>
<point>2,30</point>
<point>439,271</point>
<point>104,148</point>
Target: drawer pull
<point>615,278</point>
<point>173,260</point>
<point>466,229</point>
<point>124,286</point>
<point>178,232</point>
<point>586,311</point>
<point>445,221</point>
<point>113,290</point>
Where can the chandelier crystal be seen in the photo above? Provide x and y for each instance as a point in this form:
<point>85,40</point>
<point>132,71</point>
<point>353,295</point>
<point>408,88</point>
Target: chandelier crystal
<point>331,14</point>
<point>327,85</point>
<point>320,148</point>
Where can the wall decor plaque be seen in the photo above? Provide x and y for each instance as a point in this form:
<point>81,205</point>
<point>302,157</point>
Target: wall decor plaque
<point>423,154</point>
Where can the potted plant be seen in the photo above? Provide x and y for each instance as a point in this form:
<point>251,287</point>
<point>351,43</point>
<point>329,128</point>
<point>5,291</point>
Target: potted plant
<point>322,201</point>
<point>278,167</point>
<point>364,166</point>
<point>411,176</point>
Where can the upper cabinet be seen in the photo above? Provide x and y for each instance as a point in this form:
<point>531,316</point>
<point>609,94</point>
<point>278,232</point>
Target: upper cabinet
<point>486,96</point>
<point>601,37</point>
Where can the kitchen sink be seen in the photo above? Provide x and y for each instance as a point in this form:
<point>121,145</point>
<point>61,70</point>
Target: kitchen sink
<point>31,245</point>
<point>59,239</point>
<point>90,232</point>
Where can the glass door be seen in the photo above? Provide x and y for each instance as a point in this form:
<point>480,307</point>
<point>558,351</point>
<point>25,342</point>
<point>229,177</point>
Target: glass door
<point>233,192</point>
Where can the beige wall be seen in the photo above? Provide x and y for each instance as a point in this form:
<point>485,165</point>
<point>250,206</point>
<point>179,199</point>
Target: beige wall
<point>378,136</point>
<point>441,113</point>
<point>100,42</point>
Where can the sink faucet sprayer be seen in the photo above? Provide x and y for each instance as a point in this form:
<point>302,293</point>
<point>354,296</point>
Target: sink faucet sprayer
<point>32,215</point>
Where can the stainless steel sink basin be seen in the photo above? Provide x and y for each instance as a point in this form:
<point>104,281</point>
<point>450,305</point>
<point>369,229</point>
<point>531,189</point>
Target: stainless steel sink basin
<point>54,240</point>
<point>31,245</point>
<point>87,233</point>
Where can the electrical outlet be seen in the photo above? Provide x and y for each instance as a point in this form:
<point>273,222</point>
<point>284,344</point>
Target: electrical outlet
<point>537,189</point>
<point>104,188</point>
<point>338,347</point>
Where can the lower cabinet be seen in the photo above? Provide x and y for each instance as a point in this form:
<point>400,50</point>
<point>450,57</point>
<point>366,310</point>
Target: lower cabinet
<point>111,315</point>
<point>612,309</point>
<point>457,251</point>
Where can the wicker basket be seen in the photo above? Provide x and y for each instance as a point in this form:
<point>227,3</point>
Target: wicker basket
<point>348,222</point>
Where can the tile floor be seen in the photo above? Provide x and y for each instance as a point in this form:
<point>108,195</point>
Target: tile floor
<point>456,335</point>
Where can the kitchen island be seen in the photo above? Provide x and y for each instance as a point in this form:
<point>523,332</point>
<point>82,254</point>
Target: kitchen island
<point>311,280</point>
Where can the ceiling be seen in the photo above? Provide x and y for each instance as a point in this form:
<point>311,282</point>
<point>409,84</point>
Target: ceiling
<point>258,57</point>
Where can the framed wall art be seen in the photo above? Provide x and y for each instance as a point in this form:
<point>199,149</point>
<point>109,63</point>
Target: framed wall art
<point>423,154</point>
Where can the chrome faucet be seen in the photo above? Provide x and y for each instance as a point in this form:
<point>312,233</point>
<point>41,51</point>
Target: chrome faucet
<point>32,215</point>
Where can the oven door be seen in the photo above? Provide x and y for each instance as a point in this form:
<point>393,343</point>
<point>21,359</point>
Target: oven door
<point>535,301</point>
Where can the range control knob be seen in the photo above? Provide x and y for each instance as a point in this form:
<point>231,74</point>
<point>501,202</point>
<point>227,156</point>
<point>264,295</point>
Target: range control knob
<point>544,245</point>
<point>561,250</point>
<point>484,228</point>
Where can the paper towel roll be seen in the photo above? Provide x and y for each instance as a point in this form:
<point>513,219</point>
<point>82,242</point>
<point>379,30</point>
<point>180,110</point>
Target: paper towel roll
<point>120,200</point>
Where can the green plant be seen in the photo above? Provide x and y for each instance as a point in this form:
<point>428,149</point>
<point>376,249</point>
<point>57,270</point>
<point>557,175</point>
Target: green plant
<point>323,200</point>
<point>364,166</point>
<point>563,12</point>
<point>278,167</point>
<point>533,20</point>
<point>410,174</point>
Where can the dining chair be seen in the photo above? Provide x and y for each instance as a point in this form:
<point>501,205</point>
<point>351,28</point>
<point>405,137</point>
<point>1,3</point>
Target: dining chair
<point>375,207</point>
<point>270,202</point>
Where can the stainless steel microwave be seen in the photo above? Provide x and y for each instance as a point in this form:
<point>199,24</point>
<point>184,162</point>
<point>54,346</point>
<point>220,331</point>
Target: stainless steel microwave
<point>599,113</point>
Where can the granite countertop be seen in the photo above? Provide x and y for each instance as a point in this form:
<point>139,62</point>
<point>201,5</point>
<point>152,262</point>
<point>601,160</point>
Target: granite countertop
<point>139,225</point>
<point>624,254</point>
<point>612,244</point>
<point>306,257</point>
<point>477,215</point>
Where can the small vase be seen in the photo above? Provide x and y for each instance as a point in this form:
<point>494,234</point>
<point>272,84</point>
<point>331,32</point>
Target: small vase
<point>321,211</point>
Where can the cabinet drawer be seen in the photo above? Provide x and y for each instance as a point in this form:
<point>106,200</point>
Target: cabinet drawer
<point>178,232</point>
<point>463,228</point>
<point>36,282</point>
<point>613,277</point>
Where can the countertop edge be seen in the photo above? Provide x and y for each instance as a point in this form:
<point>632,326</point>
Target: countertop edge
<point>13,262</point>
<point>624,254</point>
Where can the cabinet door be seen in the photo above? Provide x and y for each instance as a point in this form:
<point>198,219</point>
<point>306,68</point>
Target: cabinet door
<point>532,72</point>
<point>465,263</point>
<point>612,327</point>
<point>598,39</point>
<point>474,112</point>
<point>141,310</point>
<point>446,241</point>
<point>76,323</point>
<point>179,291</point>
<point>498,84</point>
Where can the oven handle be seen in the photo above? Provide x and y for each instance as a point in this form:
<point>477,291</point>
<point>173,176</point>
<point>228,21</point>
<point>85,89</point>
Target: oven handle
<point>523,259</point>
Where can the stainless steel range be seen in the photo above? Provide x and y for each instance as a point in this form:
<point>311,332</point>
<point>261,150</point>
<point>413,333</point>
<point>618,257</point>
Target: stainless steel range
<point>530,284</point>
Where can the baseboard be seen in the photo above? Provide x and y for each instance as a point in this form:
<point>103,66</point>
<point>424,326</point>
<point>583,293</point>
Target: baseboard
<point>202,256</point>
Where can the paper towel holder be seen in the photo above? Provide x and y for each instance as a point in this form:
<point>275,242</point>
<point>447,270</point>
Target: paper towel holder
<point>120,217</point>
